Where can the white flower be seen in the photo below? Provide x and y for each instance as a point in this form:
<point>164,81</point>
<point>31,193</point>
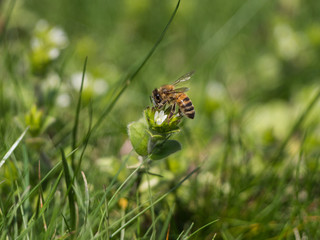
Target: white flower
<point>100,86</point>
<point>36,43</point>
<point>58,37</point>
<point>54,53</point>
<point>42,25</point>
<point>63,100</point>
<point>53,80</point>
<point>159,117</point>
<point>76,79</point>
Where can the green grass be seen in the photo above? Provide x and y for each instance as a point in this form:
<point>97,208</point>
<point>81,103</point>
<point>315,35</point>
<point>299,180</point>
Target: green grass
<point>249,163</point>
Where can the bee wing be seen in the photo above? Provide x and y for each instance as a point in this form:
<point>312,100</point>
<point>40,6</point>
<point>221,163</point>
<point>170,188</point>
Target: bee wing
<point>184,78</point>
<point>180,90</point>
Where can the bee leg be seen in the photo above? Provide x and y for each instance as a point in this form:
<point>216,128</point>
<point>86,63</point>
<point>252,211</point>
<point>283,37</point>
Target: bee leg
<point>161,104</point>
<point>152,101</point>
<point>173,109</point>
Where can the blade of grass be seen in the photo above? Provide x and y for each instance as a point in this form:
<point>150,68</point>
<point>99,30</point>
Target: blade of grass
<point>187,231</point>
<point>138,219</point>
<point>7,19</point>
<point>87,225</point>
<point>52,225</point>
<point>153,234</point>
<point>66,222</point>
<point>152,208</point>
<point>26,174</point>
<point>87,198</point>
<point>122,233</point>
<point>41,199</point>
<point>199,229</point>
<point>13,147</point>
<point>51,194</point>
<point>70,193</point>
<point>166,226</point>
<point>180,235</point>
<point>86,141</point>
<point>76,120</point>
<point>107,216</point>
<point>24,217</point>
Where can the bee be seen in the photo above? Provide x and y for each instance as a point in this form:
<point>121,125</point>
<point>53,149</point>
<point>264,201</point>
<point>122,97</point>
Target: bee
<point>168,94</point>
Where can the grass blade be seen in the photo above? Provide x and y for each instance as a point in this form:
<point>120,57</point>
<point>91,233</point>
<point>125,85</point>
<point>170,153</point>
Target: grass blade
<point>199,229</point>
<point>187,232</point>
<point>71,197</point>
<point>166,226</point>
<point>85,143</point>
<point>153,235</point>
<point>13,147</point>
<point>7,20</point>
<point>76,120</point>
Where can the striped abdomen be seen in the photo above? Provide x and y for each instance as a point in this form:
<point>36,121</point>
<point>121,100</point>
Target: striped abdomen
<point>185,105</point>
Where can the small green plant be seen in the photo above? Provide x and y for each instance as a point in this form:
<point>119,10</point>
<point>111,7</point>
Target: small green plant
<point>150,135</point>
<point>37,122</point>
<point>46,45</point>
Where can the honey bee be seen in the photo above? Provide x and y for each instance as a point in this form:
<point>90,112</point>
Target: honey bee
<point>168,94</point>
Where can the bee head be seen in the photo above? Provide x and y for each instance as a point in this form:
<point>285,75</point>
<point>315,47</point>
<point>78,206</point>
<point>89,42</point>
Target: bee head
<point>156,96</point>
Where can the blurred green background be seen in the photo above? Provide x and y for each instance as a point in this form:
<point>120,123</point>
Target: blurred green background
<point>257,68</point>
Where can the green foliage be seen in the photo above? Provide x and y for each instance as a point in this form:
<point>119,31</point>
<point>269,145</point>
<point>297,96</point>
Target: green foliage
<point>247,167</point>
<point>139,137</point>
<point>165,149</point>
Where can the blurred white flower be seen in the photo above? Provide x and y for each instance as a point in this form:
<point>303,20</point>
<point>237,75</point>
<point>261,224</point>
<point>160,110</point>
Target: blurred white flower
<point>48,40</point>
<point>58,37</point>
<point>289,43</point>
<point>100,86</point>
<point>76,79</point>
<point>53,80</point>
<point>63,100</point>
<point>35,43</point>
<point>97,85</point>
<point>42,25</point>
<point>291,5</point>
<point>159,117</point>
<point>144,186</point>
<point>54,53</point>
<point>215,90</point>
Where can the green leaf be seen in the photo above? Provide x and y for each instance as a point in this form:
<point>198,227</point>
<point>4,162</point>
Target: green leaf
<point>139,137</point>
<point>165,149</point>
